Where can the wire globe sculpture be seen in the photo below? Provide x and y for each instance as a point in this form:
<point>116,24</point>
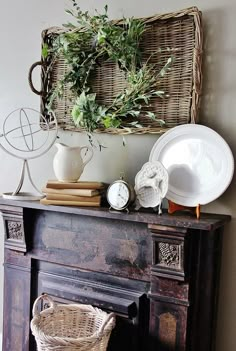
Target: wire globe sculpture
<point>27,134</point>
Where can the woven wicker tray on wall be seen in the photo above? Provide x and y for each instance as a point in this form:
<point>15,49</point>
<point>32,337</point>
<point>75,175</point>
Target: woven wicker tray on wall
<point>181,32</point>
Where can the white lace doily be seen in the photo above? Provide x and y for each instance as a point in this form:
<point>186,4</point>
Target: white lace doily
<point>151,184</point>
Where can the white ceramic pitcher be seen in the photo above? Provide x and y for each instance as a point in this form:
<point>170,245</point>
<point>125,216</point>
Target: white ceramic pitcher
<point>68,164</point>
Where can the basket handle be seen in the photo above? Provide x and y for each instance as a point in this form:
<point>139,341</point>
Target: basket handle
<point>35,311</point>
<point>107,320</point>
<point>38,63</point>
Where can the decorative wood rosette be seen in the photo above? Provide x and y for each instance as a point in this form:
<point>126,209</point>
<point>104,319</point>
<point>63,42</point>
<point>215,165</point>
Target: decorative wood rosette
<point>14,229</point>
<point>169,250</point>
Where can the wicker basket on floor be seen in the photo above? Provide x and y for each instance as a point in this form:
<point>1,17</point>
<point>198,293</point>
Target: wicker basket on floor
<point>72,327</point>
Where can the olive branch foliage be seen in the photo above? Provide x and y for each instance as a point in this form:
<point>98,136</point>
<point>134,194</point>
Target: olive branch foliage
<point>82,45</point>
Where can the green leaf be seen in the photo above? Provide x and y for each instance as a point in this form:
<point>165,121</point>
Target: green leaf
<point>161,121</point>
<point>162,72</point>
<point>101,40</point>
<point>102,111</point>
<point>116,123</point>
<point>159,93</point>
<point>77,116</point>
<point>134,113</point>
<point>135,124</point>
<point>45,50</point>
<point>107,122</point>
<point>81,100</point>
<point>69,25</point>
<point>69,12</point>
<point>151,115</point>
<point>91,97</point>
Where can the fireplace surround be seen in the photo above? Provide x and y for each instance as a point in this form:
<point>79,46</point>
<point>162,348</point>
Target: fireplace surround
<point>159,274</point>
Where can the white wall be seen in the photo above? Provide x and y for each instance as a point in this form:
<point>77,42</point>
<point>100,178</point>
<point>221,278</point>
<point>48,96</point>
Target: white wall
<point>21,23</point>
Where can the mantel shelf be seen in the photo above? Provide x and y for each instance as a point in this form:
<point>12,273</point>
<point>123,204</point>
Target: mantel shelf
<point>207,221</point>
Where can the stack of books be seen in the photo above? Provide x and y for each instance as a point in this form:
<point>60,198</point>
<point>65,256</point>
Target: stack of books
<point>73,194</point>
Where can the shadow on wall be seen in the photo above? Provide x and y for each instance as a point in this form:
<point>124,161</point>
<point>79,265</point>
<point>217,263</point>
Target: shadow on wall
<point>217,109</point>
<point>213,34</point>
<point>219,87</point>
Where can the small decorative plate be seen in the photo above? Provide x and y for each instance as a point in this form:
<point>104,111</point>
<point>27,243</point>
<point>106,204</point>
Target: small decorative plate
<point>151,184</point>
<point>199,162</point>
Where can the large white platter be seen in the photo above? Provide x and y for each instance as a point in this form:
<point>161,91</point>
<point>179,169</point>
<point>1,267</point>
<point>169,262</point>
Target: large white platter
<point>199,162</point>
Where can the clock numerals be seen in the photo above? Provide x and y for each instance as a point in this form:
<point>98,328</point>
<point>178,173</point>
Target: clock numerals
<point>118,195</point>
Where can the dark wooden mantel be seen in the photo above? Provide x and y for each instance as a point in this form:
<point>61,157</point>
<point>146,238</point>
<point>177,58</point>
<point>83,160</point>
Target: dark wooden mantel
<point>159,274</point>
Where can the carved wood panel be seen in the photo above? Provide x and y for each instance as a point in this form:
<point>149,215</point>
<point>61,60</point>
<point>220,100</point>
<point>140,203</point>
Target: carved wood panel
<point>169,253</point>
<point>14,230</point>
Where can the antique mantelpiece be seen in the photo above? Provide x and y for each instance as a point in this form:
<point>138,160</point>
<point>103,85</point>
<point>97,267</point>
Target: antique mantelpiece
<point>158,273</point>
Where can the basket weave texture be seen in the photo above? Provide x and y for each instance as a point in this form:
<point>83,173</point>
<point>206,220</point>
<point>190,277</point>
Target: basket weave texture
<point>181,32</point>
<point>72,327</point>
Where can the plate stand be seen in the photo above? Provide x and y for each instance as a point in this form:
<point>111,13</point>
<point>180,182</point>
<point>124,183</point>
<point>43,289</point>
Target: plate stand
<point>173,207</point>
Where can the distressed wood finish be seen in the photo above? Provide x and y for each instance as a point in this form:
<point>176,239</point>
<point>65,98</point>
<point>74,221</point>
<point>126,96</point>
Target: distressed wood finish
<point>159,274</point>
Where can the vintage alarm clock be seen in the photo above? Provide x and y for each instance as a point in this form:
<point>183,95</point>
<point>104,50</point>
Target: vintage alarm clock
<point>120,195</point>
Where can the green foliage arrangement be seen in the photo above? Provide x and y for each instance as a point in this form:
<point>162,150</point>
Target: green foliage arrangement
<point>92,38</point>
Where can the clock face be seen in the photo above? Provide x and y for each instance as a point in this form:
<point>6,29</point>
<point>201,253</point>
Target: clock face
<point>118,195</point>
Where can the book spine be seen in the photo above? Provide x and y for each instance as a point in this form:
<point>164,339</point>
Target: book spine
<point>73,197</point>
<point>69,203</point>
<point>78,185</point>
<point>77,192</point>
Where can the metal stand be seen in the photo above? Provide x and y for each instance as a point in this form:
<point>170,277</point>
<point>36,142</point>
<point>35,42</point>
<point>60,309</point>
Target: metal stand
<point>17,195</point>
<point>26,128</point>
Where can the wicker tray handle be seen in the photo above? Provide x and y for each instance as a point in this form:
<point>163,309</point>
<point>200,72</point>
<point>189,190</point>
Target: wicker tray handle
<point>38,63</point>
<point>35,310</point>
